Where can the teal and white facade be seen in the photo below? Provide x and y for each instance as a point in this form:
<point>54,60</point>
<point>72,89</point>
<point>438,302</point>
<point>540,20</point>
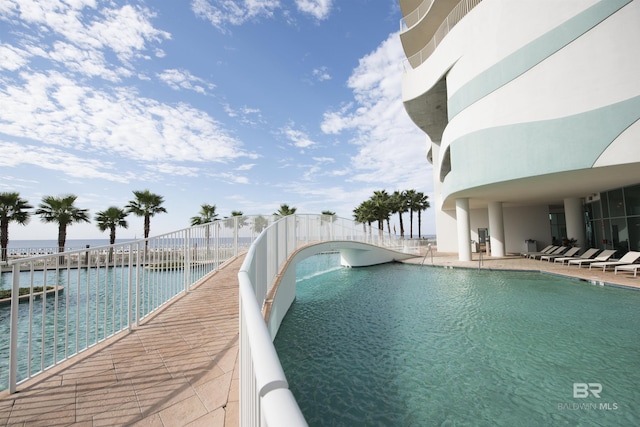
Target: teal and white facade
<point>531,113</point>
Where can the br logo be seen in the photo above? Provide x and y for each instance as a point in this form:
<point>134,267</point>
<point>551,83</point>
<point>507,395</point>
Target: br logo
<point>582,390</point>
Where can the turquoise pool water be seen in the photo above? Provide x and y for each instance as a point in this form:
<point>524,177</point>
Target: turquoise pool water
<point>404,345</point>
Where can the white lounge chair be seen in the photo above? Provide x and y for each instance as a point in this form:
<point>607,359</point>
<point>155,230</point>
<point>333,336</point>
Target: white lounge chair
<point>543,251</point>
<point>586,255</point>
<point>629,267</point>
<point>603,256</point>
<point>569,253</point>
<point>628,258</point>
<point>559,250</point>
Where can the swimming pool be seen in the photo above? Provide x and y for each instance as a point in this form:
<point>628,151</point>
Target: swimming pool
<point>407,345</point>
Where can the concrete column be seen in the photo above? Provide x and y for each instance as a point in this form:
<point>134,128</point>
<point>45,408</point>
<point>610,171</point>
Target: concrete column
<point>463,222</point>
<point>575,221</point>
<point>496,229</point>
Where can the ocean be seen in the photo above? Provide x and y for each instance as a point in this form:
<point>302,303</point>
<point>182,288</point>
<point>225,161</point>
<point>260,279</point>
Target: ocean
<point>70,244</point>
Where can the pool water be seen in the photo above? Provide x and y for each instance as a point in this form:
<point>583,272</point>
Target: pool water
<point>405,345</point>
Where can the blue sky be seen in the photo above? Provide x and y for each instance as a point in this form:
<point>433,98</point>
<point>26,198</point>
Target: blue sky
<point>242,104</point>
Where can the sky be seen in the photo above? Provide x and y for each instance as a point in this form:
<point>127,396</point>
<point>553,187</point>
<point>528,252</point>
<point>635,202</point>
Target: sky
<point>244,104</point>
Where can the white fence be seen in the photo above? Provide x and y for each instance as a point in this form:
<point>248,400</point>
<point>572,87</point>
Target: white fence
<point>265,398</point>
<point>95,293</point>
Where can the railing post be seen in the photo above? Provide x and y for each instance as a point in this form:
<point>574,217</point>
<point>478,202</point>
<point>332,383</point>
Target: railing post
<point>236,231</point>
<point>13,334</point>
<point>216,245</point>
<point>129,284</point>
<point>138,273</point>
<point>187,260</point>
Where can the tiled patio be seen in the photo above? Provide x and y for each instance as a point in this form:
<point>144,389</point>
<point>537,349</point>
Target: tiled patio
<point>516,262</point>
<point>177,369</point>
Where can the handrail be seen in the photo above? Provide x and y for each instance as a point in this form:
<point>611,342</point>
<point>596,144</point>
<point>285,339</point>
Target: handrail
<point>455,16</point>
<point>413,17</point>
<point>265,398</point>
<point>102,291</point>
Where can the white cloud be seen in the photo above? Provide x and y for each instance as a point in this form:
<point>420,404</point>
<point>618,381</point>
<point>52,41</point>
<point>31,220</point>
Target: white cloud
<point>222,13</point>
<point>245,167</point>
<point>321,74</point>
<point>56,110</point>
<point>246,115</point>
<point>174,170</point>
<point>80,33</point>
<point>183,79</point>
<point>300,139</point>
<point>319,9</point>
<point>12,58</point>
<point>390,149</point>
<point>14,154</point>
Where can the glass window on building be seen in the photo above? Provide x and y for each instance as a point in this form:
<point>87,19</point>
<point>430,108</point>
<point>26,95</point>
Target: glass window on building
<point>616,204</point>
<point>558,228</point>
<point>593,209</point>
<point>632,200</point>
<point>634,233</point>
<point>620,236</point>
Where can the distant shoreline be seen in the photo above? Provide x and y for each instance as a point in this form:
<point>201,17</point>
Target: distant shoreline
<point>70,243</point>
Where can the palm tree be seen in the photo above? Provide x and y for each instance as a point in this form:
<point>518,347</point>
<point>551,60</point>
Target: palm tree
<point>260,223</point>
<point>62,211</point>
<point>206,215</point>
<point>399,206</point>
<point>146,204</point>
<point>111,218</point>
<point>230,221</point>
<point>411,197</point>
<point>327,216</point>
<point>285,210</point>
<point>12,208</point>
<point>365,214</point>
<point>422,201</point>
<point>382,203</point>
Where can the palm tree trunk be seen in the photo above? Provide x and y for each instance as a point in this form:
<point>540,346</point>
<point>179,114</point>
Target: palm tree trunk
<point>401,225</point>
<point>411,223</point>
<point>419,223</point>
<point>4,234</point>
<point>62,239</point>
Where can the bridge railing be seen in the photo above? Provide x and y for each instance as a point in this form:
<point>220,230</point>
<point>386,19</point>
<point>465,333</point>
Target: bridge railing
<point>265,398</point>
<point>95,293</point>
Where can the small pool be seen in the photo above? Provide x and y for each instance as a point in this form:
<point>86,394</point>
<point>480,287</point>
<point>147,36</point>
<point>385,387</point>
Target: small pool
<point>404,345</point>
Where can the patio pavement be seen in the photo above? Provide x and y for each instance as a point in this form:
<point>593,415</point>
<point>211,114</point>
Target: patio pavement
<point>517,262</point>
<point>180,368</point>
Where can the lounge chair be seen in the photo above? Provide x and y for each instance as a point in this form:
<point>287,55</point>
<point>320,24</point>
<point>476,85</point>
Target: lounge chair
<point>543,251</point>
<point>559,250</point>
<point>569,253</point>
<point>628,258</point>
<point>629,267</point>
<point>602,257</point>
<point>586,255</point>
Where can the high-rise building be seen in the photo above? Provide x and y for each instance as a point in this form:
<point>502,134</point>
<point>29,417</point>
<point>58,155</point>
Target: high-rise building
<point>531,113</point>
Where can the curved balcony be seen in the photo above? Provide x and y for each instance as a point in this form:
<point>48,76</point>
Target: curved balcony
<point>432,25</point>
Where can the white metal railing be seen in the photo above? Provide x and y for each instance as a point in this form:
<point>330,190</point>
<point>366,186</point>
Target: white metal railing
<point>96,293</point>
<point>416,15</point>
<point>265,398</point>
<point>455,16</point>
